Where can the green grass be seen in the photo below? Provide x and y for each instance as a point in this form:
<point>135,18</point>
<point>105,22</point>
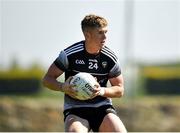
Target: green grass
<point>148,100</point>
<point>43,112</point>
<point>50,95</point>
<point>44,95</point>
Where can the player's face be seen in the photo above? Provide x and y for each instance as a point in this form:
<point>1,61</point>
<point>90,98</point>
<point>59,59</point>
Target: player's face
<point>98,37</point>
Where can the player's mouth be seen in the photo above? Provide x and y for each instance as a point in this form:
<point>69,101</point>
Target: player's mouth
<point>103,42</point>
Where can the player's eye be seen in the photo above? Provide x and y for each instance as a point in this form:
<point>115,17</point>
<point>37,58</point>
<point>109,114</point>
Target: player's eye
<point>102,32</point>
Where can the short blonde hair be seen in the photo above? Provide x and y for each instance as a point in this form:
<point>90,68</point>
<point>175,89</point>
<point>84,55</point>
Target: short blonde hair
<point>93,21</point>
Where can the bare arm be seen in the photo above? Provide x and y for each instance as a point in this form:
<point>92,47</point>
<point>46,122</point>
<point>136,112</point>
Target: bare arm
<point>50,81</point>
<point>50,77</point>
<point>117,88</point>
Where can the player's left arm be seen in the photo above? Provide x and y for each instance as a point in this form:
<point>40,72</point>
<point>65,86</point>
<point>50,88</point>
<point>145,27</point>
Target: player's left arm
<point>116,89</point>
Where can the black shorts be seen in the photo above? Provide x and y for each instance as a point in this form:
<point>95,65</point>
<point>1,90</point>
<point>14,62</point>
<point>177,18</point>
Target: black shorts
<point>93,115</point>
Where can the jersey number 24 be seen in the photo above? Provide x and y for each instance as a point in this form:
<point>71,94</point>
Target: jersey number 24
<point>93,65</point>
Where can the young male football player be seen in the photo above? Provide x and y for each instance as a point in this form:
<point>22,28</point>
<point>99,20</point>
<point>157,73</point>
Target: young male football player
<point>91,56</point>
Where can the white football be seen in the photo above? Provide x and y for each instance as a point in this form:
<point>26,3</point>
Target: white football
<point>84,85</point>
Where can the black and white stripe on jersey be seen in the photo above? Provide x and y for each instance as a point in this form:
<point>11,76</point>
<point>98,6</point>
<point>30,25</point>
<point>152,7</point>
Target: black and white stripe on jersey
<point>95,74</point>
<point>105,50</point>
<point>74,48</point>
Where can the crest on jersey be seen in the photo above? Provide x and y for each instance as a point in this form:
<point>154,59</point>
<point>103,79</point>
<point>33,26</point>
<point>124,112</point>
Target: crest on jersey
<point>104,64</point>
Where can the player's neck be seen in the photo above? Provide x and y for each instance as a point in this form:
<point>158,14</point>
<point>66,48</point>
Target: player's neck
<point>91,49</point>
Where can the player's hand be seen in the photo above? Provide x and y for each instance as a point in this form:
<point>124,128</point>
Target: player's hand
<point>97,89</point>
<point>68,88</point>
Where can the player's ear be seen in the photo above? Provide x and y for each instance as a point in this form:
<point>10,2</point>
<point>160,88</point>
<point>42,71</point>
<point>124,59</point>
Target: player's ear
<point>87,35</point>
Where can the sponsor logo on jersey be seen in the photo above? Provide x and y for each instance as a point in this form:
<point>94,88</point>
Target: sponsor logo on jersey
<point>80,62</point>
<point>93,60</point>
<point>104,64</point>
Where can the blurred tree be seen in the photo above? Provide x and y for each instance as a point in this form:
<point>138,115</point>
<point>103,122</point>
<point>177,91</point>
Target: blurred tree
<point>14,64</point>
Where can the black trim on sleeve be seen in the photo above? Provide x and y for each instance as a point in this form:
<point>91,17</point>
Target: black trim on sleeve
<point>59,65</point>
<point>115,75</point>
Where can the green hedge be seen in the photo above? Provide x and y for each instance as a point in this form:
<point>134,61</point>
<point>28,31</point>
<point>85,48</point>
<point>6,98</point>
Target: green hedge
<point>20,81</point>
<point>163,86</point>
<point>161,79</point>
<point>10,86</point>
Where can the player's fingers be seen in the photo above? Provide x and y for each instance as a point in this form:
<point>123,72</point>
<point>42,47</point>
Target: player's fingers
<point>69,79</point>
<point>95,78</point>
<point>96,88</point>
<point>72,93</point>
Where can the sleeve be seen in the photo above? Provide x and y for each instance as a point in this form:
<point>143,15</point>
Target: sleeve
<point>62,61</point>
<point>115,71</point>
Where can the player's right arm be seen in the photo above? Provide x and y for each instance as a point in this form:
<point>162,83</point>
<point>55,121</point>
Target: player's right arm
<point>50,78</point>
<point>50,81</point>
